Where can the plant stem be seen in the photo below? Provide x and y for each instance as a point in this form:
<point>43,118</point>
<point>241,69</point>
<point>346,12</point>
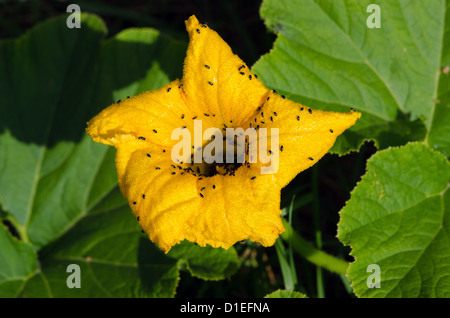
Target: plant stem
<point>284,265</point>
<point>317,232</point>
<point>311,254</point>
<point>286,257</point>
<point>290,251</point>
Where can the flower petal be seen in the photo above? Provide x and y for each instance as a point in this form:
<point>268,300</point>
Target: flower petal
<point>234,208</point>
<point>151,116</point>
<point>217,81</point>
<point>304,135</point>
<point>151,184</point>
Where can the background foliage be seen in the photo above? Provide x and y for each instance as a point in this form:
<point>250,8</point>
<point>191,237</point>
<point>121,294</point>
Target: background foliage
<point>59,200</point>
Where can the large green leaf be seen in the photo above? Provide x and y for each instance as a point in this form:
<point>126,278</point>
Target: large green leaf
<point>57,187</point>
<point>439,136</point>
<point>398,218</point>
<point>326,56</point>
<point>17,263</point>
<point>115,259</point>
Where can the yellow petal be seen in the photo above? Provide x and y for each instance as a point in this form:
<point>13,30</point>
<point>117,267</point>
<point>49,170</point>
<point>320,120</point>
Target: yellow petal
<point>162,200</point>
<point>150,116</point>
<point>304,135</point>
<point>217,81</point>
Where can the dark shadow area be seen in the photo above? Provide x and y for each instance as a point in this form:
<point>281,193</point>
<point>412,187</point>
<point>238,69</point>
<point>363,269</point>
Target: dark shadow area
<point>11,228</point>
<point>153,265</point>
<point>238,22</point>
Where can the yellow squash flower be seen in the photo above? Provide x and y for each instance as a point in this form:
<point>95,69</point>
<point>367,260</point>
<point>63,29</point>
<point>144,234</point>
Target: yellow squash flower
<point>217,203</point>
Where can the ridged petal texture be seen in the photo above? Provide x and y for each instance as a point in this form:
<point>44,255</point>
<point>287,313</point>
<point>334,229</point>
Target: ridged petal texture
<point>174,201</point>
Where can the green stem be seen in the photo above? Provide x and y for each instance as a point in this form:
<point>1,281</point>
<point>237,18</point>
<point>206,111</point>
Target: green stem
<point>317,232</point>
<point>290,251</point>
<point>288,279</point>
<point>286,257</point>
<point>347,285</point>
<point>311,254</point>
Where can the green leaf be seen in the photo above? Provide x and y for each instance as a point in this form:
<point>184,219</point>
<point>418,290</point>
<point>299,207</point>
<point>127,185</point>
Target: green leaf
<point>398,218</point>
<point>439,136</point>
<point>58,188</point>
<point>325,56</point>
<point>17,263</point>
<point>206,262</point>
<point>46,163</point>
<point>285,294</point>
<point>115,259</point>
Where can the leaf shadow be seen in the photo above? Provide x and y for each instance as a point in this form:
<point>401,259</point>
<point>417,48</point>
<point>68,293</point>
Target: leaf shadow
<point>156,270</point>
<point>54,79</point>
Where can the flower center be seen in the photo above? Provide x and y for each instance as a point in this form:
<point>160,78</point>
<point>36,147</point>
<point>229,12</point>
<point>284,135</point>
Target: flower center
<point>229,158</point>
